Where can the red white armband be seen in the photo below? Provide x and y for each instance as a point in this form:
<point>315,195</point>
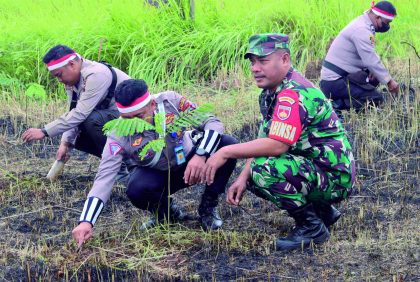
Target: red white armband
<point>61,62</point>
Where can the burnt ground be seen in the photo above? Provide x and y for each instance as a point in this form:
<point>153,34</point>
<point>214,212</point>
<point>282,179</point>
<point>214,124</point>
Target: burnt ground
<point>377,238</point>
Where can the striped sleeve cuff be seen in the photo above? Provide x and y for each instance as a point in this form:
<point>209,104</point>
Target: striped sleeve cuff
<point>91,210</point>
<point>210,141</point>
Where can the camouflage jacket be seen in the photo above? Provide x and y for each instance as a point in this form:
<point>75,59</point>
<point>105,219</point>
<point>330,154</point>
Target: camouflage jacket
<point>299,115</point>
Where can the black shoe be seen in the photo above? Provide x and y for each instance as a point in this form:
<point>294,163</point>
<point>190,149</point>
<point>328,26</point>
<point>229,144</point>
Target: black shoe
<point>208,215</point>
<point>309,228</point>
<point>150,223</point>
<point>176,214</point>
<point>328,213</point>
<point>210,219</point>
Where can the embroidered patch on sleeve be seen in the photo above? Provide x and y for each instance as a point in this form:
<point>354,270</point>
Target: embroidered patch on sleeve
<point>137,142</point>
<point>286,125</point>
<point>170,118</point>
<point>184,104</point>
<point>114,148</point>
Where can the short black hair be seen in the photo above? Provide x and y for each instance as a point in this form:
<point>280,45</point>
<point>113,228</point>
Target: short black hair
<point>129,90</point>
<point>57,52</point>
<point>387,7</point>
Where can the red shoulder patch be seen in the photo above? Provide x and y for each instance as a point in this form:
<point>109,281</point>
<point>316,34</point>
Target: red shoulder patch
<point>286,125</point>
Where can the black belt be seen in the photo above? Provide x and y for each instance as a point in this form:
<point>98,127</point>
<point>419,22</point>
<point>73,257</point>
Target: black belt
<point>335,68</point>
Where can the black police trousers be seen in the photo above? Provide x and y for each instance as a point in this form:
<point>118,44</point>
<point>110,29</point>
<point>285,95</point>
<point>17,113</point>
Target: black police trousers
<point>148,188</point>
<point>346,94</point>
<point>91,138</point>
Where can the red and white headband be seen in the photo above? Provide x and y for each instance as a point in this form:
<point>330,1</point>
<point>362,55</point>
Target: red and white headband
<point>136,104</point>
<point>382,13</point>
<point>61,62</point>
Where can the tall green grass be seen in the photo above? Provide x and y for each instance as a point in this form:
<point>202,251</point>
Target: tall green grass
<point>158,45</point>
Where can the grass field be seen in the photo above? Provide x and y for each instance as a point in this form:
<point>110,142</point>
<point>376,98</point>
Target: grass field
<point>168,51</point>
<point>378,237</point>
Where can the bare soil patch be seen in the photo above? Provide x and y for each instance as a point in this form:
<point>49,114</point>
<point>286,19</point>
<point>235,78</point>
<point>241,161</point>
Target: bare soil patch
<point>377,238</point>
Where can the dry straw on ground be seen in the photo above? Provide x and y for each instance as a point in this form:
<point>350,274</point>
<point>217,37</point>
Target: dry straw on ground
<point>377,238</point>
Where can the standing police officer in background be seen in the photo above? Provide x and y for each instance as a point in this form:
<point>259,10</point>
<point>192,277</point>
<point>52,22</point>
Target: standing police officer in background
<point>352,69</point>
<point>90,87</point>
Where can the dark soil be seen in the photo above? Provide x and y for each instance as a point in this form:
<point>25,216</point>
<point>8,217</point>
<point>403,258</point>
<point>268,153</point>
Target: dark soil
<point>376,239</point>
<point>313,70</point>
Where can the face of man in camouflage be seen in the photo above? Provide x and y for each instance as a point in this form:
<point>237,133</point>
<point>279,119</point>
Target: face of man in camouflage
<point>269,71</point>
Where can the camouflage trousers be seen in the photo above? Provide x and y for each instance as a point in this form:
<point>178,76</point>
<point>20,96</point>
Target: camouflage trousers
<point>290,181</point>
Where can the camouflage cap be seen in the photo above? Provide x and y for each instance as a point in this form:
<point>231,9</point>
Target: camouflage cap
<point>266,43</point>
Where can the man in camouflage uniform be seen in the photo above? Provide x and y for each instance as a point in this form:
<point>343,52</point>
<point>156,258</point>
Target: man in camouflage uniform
<point>352,69</point>
<point>302,160</point>
<point>148,185</point>
<point>90,89</point>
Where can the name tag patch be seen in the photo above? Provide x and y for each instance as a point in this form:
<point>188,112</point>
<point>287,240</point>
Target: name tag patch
<point>179,154</point>
<point>283,130</point>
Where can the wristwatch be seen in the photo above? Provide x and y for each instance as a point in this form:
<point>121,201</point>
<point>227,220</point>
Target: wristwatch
<point>45,132</point>
<point>201,152</point>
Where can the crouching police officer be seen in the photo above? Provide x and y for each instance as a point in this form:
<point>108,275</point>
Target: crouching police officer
<point>302,160</point>
<point>148,185</point>
<point>352,69</point>
<point>90,87</point>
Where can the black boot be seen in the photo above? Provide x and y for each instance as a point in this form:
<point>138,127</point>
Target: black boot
<point>328,213</point>
<point>175,214</point>
<point>208,215</point>
<point>309,228</point>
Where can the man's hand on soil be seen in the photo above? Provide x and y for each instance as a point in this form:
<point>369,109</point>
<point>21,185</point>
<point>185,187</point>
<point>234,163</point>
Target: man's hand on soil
<point>235,191</point>
<point>393,87</point>
<point>63,153</point>
<point>82,232</point>
<point>32,134</point>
